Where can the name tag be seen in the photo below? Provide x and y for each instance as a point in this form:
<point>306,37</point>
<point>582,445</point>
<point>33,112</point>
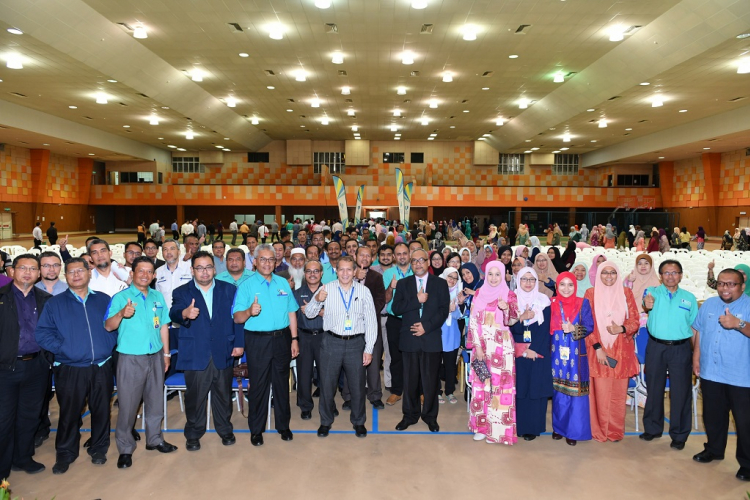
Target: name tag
<point>565,353</point>
<point>527,336</point>
<point>156,322</point>
<point>347,324</point>
<point>282,293</point>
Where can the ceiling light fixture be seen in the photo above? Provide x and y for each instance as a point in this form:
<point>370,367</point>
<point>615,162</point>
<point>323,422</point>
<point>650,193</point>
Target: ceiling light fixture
<point>350,112</point>
<point>644,84</point>
<point>271,87</point>
<point>227,150</point>
<point>425,121</point>
<point>433,103</point>
<point>112,81</point>
<point>401,90</point>
<point>126,126</point>
<point>324,120</point>
<point>300,75</point>
<point>485,88</point>
<point>500,122</point>
<point>706,148</point>
<point>397,135</point>
<point>394,128</point>
<point>171,146</point>
<point>14,61</point>
<point>196,75</point>
<point>355,128</point>
<point>566,138</point>
<point>315,103</point>
<point>338,58</point>
<point>189,135</point>
<point>396,138</point>
<point>743,67</point>
<point>255,121</point>
<point>358,137</point>
<point>356,134</point>
<point>616,33</point>
<point>523,103</point>
<point>535,149</point>
<point>290,111</point>
<point>407,57</point>
<point>181,149</point>
<point>231,102</point>
<point>275,31</point>
<point>244,54</point>
<point>564,149</point>
<point>346,90</point>
<point>322,4</point>
<point>430,138</point>
<point>418,4</point>
<point>153,120</point>
<point>140,32</point>
<point>447,77</point>
<point>661,157</point>
<point>628,129</point>
<point>657,102</point>
<point>73,107</point>
<point>559,77</point>
<point>470,32</point>
<point>590,110</point>
<point>15,31</point>
<point>396,112</point>
<point>603,123</point>
<point>513,56</point>
<point>101,98</point>
<point>683,111</point>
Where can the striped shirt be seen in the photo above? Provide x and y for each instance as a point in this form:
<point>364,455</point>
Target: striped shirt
<point>361,312</point>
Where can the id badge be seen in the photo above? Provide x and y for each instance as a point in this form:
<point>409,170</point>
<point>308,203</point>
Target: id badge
<point>565,353</point>
<point>347,324</point>
<point>527,336</point>
<point>156,322</point>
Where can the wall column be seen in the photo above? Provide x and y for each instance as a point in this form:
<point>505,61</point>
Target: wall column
<point>277,215</point>
<point>519,214</point>
<point>571,217</point>
<point>180,215</point>
<point>712,180</point>
<point>666,183</point>
<point>39,173</point>
<point>430,213</point>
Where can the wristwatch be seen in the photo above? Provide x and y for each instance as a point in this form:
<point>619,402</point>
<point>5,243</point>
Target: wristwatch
<point>167,354</point>
<point>524,354</point>
<point>742,325</point>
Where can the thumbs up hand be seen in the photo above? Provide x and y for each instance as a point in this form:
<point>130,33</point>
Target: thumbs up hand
<point>568,327</point>
<point>728,321</point>
<point>129,310</point>
<point>255,308</point>
<point>322,294</point>
<point>648,301</point>
<point>191,312</point>
<point>615,329</point>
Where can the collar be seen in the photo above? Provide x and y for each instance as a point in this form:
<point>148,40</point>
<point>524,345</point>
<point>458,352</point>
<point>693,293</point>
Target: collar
<point>210,289</point>
<point>89,291</point>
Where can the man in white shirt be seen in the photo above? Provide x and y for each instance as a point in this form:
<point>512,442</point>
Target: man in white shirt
<point>174,273</point>
<point>262,232</point>
<point>103,277</point>
<point>186,229</point>
<point>234,229</point>
<point>38,236</point>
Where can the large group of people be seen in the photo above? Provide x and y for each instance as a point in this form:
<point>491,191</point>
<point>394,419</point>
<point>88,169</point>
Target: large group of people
<point>538,324</point>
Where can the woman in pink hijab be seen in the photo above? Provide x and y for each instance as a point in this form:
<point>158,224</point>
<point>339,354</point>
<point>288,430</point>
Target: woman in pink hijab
<point>594,265</point>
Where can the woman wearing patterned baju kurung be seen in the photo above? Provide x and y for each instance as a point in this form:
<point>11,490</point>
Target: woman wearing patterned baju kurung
<point>493,407</point>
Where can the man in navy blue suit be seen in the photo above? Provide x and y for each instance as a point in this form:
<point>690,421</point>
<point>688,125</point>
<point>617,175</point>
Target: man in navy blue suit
<point>209,340</point>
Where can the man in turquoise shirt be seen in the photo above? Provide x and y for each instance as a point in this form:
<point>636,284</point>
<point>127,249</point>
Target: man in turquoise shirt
<point>236,272</point>
<point>266,306</point>
<point>140,316</point>
<point>671,312</point>
<point>401,270</point>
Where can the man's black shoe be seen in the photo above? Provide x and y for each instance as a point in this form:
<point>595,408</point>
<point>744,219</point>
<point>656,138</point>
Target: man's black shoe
<point>360,431</point>
<point>124,461</point>
<point>256,439</point>
<point>323,430</point>
<point>193,445</point>
<point>162,447</point>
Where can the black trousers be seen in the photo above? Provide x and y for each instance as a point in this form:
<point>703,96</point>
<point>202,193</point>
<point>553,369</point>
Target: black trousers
<point>199,383</point>
<point>448,371</point>
<point>44,422</point>
<point>37,243</point>
<point>176,235</point>
<point>718,400</point>
<point>372,375</point>
<point>309,353</point>
<point>74,386</point>
<point>268,359</point>
<point>22,393</point>
<point>422,366</point>
<point>393,330</point>
<point>678,360</point>
<point>337,355</point>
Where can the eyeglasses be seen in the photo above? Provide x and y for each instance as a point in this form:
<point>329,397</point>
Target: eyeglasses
<point>264,260</point>
<point>528,280</point>
<point>76,272</point>
<point>312,271</point>
<point>609,273</point>
<point>452,278</point>
<point>420,260</point>
<point>54,266</point>
<point>201,269</point>
<point>671,273</point>
<point>25,269</point>
<point>137,254</point>
<point>727,284</point>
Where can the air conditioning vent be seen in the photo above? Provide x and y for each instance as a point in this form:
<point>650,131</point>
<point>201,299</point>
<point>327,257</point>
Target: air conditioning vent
<point>331,28</point>
<point>487,74</point>
<point>414,73</point>
<point>737,99</point>
<point>235,28</point>
<point>522,29</point>
<point>18,94</point>
<point>269,72</point>
<point>615,97</point>
<point>122,104</point>
<point>643,121</point>
<point>343,72</point>
<point>348,100</point>
<point>126,26</point>
<point>426,29</point>
<point>88,117</point>
<point>290,100</point>
<point>142,95</point>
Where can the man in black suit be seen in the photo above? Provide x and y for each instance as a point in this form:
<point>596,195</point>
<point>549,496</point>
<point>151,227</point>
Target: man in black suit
<point>423,300</point>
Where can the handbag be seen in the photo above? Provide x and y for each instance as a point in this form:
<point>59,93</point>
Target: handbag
<point>480,369</point>
<point>521,348</point>
<point>579,332</point>
<point>239,371</point>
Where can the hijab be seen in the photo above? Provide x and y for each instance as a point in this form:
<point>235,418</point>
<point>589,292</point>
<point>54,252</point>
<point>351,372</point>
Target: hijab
<point>610,304</point>
<point>569,255</point>
<point>558,262</point>
<point>745,269</point>
<point>608,232</point>
<point>534,300</point>
<point>592,269</point>
<point>437,270</point>
<point>643,281</point>
<point>488,296</point>
<point>503,249</point>
<point>461,253</point>
<point>472,268</point>
<point>632,230</point>
<point>490,259</point>
<point>535,243</point>
<point>570,305</point>
<point>457,287</point>
<point>546,275</point>
<point>701,233</point>
<point>585,283</point>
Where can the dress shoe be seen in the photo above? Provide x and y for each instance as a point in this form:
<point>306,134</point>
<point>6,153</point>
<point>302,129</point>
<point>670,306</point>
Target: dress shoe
<point>433,426</point>
<point>60,467</point>
<point>163,447</point>
<point>377,404</point>
<point>228,440</point>
<point>706,456</point>
<point>360,431</point>
<point>124,461</point>
<point>403,425</point>
<point>40,439</point>
<point>31,467</point>
<point>286,435</point>
<point>98,458</point>
<point>193,445</point>
<point>347,405</point>
<point>743,474</point>
<point>393,399</point>
<point>571,442</point>
<point>479,436</point>
<point>306,415</point>
<point>316,393</point>
<point>677,445</point>
<point>323,431</point>
<point>256,439</point>
<point>556,436</point>
<point>529,437</point>
<point>649,437</point>
<point>335,412</point>
<point>135,434</point>
<point>87,443</point>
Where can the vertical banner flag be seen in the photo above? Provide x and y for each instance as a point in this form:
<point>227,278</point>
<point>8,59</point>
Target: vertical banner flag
<point>400,193</point>
<point>408,189</point>
<point>338,185</point>
<point>358,209</point>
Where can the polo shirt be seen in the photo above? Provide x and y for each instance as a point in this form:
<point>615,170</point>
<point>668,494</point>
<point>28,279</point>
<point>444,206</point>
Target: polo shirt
<point>58,288</point>
<point>167,280</point>
<point>140,334</point>
<point>388,276</point>
<point>329,274</point>
<point>725,354</point>
<point>673,313</point>
<point>225,276</point>
<point>275,298</point>
<point>109,285</point>
<point>220,265</point>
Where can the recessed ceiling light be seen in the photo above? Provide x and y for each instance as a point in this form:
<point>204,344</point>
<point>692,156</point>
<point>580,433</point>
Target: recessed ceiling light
<point>140,32</point>
<point>324,120</point>
<point>397,135</point>
<point>470,32</point>
<point>401,90</point>
<point>743,67</point>
<point>594,140</point>
<point>486,135</point>
<point>346,90</point>
<point>396,138</point>
<point>112,81</point>
<point>165,107</point>
<point>683,111</point>
<point>661,157</point>
<point>628,129</point>
<point>181,149</point>
<point>407,57</point>
<point>523,103</point>
<point>126,126</point>
<point>645,83</point>
<point>189,135</point>
<point>528,151</point>
<point>466,111</point>
<point>418,4</point>
<point>559,77</point>
<point>350,112</point>
<point>433,103</point>
<point>322,4</point>
<point>657,102</point>
<point>315,103</point>
<point>485,88</point>
<point>396,112</point>
<point>153,120</point>
<point>289,110</point>
<point>564,149</point>
<point>254,121</point>
<point>14,61</point>
<point>73,107</point>
<point>231,102</point>
<point>555,152</point>
<point>271,87</point>
<point>275,31</point>
<point>45,144</point>
<point>425,121</point>
<point>226,138</point>
<point>300,75</point>
<point>302,126</point>
<point>513,56</point>
<point>742,36</point>
<point>394,128</point>
<point>433,135</point>
<point>500,122</point>
<point>338,58</point>
<point>603,123</point>
<point>160,138</point>
<point>452,126</point>
<point>171,146</point>
<point>244,54</point>
<point>565,138</point>
<point>101,98</point>
<point>355,128</point>
<point>706,148</point>
<point>16,31</point>
<point>528,140</point>
<point>92,154</point>
<point>591,110</point>
<point>430,138</point>
<point>358,138</point>
<point>447,77</point>
<point>227,150</point>
<point>616,33</point>
<point>356,134</point>
<point>535,149</point>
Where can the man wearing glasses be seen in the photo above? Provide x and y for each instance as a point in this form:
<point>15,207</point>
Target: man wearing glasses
<point>23,371</point>
<point>720,359</point>
<point>209,340</point>
<point>236,273</point>
<point>176,272</point>
<point>671,313</point>
<point>391,277</point>
<point>71,328</point>
<point>265,305</point>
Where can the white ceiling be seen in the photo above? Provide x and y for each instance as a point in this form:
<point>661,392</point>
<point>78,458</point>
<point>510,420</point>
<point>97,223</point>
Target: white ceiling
<point>74,47</point>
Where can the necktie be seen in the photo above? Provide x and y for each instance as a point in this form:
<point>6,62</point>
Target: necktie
<point>421,290</point>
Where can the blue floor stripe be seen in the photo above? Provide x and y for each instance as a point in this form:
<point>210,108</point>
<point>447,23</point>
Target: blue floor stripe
<point>375,413</point>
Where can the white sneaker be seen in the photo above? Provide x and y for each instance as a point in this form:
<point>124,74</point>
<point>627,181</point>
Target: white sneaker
<point>452,399</point>
<point>441,399</point>
<point>479,436</point>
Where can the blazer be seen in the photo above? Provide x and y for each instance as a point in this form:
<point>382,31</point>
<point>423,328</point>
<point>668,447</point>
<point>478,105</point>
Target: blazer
<point>206,337</point>
<point>10,331</point>
<point>434,313</point>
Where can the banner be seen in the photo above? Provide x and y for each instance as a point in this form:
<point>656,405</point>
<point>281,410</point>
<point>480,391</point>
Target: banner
<point>400,193</point>
<point>408,190</point>
<point>358,209</point>
<point>338,185</point>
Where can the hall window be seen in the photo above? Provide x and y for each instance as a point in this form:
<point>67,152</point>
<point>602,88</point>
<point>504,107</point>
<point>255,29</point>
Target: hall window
<point>393,157</point>
<point>565,164</point>
<point>632,180</point>
<point>510,164</point>
<point>187,165</point>
<point>336,162</point>
<point>137,177</point>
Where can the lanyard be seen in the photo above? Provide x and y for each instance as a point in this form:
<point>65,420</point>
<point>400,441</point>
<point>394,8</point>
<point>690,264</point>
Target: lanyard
<point>402,275</point>
<point>347,304</point>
